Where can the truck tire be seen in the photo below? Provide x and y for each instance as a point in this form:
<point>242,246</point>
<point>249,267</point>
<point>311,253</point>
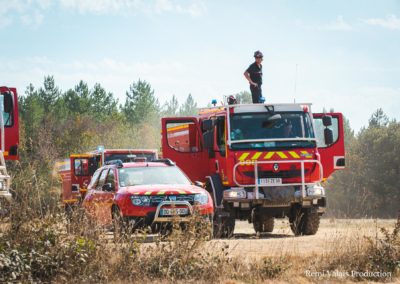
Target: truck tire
<point>305,222</point>
<point>263,224</point>
<point>224,227</point>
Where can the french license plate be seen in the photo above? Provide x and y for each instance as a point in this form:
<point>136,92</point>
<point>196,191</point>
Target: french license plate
<point>270,181</point>
<point>174,211</point>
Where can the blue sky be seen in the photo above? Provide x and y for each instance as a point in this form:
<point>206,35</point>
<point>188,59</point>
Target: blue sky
<point>347,52</point>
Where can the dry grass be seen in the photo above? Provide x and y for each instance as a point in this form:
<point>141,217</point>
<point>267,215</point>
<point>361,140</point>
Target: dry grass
<point>38,244</point>
<point>48,250</point>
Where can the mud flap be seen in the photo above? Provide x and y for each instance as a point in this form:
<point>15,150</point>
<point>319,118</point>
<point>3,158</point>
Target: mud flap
<point>217,189</point>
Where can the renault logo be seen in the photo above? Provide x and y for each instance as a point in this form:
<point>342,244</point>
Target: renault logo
<point>172,198</point>
<point>276,167</point>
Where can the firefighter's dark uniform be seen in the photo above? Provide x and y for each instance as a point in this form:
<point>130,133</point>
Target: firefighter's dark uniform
<point>255,72</point>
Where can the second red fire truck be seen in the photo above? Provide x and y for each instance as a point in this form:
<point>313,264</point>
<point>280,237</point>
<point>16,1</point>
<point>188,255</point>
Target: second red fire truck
<point>76,173</point>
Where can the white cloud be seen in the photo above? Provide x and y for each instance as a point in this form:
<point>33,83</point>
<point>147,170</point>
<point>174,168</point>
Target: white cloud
<point>339,24</point>
<point>32,20</point>
<point>193,7</point>
<point>166,77</point>
<point>390,22</point>
<point>28,12</point>
<point>31,12</point>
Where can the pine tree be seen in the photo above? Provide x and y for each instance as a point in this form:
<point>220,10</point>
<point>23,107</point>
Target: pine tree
<point>140,105</point>
<point>189,107</point>
<point>171,107</point>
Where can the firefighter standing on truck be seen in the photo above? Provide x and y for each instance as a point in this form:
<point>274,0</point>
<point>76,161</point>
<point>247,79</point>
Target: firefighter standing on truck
<point>253,74</point>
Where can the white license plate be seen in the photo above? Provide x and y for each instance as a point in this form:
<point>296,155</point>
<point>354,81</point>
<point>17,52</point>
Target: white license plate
<point>174,211</point>
<point>270,181</point>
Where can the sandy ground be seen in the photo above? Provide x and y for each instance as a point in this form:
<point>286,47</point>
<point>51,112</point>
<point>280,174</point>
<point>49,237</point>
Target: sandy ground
<point>332,235</point>
<point>282,241</point>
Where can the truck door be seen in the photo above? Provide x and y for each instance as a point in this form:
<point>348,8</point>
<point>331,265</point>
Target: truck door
<point>332,154</point>
<point>11,123</point>
<point>182,143</point>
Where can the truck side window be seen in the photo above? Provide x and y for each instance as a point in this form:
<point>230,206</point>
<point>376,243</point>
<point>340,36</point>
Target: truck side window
<point>8,113</point>
<point>183,136</point>
<point>221,134</point>
<point>81,167</point>
<point>319,131</point>
<point>93,165</point>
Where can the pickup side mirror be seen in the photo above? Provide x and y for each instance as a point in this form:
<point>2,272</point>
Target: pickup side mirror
<point>327,120</point>
<point>107,187</point>
<point>328,136</point>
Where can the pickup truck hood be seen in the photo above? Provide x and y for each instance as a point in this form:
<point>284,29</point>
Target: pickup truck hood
<point>165,189</point>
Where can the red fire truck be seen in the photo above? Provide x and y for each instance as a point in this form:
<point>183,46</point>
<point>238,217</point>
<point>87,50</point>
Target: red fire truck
<point>9,125</point>
<point>76,174</point>
<point>259,161</point>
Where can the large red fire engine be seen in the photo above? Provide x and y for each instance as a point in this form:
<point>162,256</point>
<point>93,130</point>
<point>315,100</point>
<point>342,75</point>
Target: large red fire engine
<point>9,137</point>
<point>77,172</point>
<point>259,161</point>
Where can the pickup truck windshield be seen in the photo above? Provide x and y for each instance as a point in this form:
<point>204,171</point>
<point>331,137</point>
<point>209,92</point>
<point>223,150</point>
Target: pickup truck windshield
<point>290,129</point>
<point>151,175</point>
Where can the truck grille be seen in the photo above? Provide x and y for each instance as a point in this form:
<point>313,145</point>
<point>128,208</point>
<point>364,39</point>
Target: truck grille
<point>271,174</point>
<point>157,199</point>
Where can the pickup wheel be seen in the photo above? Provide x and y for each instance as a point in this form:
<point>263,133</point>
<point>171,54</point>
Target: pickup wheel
<point>263,224</point>
<point>119,226</point>
<point>223,227</point>
<point>305,222</point>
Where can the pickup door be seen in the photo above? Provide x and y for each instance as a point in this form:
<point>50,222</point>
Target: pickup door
<point>332,156</point>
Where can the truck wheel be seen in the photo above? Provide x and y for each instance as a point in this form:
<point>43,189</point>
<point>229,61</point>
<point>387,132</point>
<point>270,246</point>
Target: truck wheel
<point>224,227</point>
<point>305,222</point>
<point>263,224</point>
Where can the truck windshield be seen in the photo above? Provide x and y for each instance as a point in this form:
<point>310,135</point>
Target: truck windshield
<point>248,130</point>
<point>151,175</point>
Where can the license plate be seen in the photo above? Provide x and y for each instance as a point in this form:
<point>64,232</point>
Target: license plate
<point>174,211</point>
<point>270,181</point>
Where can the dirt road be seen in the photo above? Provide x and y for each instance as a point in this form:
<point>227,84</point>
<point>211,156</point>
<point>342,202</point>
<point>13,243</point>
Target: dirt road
<point>332,233</point>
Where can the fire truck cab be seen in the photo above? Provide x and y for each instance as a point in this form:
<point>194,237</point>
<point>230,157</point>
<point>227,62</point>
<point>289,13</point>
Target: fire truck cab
<point>259,161</point>
<point>9,140</point>
<point>77,174</point>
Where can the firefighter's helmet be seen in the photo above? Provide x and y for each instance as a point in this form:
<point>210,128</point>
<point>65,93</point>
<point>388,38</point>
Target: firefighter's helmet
<point>258,54</point>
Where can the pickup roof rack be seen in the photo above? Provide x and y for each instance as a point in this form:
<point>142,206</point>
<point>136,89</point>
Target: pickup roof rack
<point>118,163</point>
<point>168,162</point>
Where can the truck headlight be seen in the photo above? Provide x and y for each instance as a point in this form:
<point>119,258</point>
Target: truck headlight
<point>201,198</point>
<point>315,190</point>
<point>140,200</point>
<point>235,194</point>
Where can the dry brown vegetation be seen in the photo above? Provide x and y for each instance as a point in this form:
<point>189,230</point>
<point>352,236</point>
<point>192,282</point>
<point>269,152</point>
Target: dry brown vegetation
<point>50,248</point>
